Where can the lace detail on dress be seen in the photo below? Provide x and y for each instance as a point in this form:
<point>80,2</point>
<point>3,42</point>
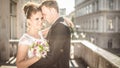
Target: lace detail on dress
<point>26,40</point>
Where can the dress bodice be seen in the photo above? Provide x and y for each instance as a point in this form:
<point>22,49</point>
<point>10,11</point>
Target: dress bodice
<point>27,40</point>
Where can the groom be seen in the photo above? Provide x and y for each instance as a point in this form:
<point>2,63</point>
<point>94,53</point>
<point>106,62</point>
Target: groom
<point>58,38</point>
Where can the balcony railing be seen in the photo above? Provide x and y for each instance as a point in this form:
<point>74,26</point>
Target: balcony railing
<point>14,46</point>
<point>95,56</point>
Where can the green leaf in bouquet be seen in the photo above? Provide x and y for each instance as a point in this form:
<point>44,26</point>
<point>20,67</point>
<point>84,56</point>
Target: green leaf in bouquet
<point>41,48</point>
<point>32,46</point>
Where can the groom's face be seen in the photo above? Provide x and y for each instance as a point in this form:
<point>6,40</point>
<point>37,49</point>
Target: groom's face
<point>47,14</point>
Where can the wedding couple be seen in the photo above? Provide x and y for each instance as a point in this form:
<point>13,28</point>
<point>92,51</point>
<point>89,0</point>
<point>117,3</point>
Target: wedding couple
<point>57,36</point>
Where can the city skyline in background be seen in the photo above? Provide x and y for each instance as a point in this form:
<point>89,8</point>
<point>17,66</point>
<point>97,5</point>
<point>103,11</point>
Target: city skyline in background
<point>68,4</point>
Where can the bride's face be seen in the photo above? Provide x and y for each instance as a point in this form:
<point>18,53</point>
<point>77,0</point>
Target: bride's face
<point>36,21</point>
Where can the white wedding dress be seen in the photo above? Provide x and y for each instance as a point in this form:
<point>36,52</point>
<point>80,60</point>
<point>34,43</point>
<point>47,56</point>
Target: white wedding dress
<point>27,40</point>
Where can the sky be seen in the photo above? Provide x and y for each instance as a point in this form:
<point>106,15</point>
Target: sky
<point>68,4</point>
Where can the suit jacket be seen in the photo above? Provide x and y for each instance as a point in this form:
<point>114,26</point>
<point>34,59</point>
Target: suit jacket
<point>59,42</point>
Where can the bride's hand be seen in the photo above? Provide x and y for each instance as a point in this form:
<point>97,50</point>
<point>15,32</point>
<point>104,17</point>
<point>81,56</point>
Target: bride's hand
<point>38,56</point>
<point>69,22</point>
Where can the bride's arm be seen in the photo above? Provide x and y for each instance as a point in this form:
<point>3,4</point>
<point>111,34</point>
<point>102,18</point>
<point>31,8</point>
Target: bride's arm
<point>69,22</point>
<point>22,60</point>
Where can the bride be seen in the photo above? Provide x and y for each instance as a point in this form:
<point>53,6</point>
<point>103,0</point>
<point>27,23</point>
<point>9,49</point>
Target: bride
<point>34,25</point>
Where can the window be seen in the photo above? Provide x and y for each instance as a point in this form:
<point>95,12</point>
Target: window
<point>13,20</point>
<point>97,23</point>
<point>97,5</point>
<point>93,25</point>
<point>110,43</point>
<point>94,7</point>
<point>90,8</point>
<point>111,2</point>
<point>119,23</point>
<point>110,24</point>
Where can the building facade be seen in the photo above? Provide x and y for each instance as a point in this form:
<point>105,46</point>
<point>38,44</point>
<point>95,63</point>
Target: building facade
<point>99,21</point>
<point>62,11</point>
<point>4,28</point>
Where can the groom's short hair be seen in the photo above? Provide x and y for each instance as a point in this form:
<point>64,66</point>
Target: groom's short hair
<point>50,4</point>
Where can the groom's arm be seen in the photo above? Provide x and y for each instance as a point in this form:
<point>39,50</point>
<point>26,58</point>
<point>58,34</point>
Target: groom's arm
<point>61,35</point>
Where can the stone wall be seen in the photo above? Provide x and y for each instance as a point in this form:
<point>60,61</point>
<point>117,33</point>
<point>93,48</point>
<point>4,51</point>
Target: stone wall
<point>4,29</point>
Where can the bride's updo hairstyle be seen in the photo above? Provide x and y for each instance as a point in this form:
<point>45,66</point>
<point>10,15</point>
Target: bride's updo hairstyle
<point>30,8</point>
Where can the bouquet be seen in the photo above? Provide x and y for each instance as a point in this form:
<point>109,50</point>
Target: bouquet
<point>39,48</point>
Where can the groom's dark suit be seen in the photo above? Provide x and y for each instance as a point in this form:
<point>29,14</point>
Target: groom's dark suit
<point>59,41</point>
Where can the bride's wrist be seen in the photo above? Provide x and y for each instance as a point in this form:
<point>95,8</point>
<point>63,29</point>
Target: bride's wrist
<point>37,57</point>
